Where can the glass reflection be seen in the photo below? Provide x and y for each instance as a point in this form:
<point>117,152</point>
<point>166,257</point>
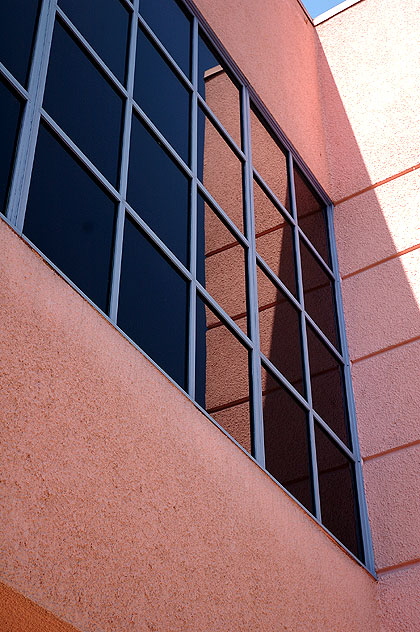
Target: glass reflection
<point>311,214</point>
<point>11,109</point>
<point>222,375</point>
<point>153,303</point>
<point>17,34</point>
<point>71,219</point>
<point>337,493</point>
<point>286,440</point>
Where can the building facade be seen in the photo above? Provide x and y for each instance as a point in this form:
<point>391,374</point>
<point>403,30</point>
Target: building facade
<point>199,211</point>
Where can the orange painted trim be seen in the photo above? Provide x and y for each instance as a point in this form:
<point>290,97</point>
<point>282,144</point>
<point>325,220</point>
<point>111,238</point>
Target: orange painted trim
<point>396,255</point>
<point>396,567</point>
<point>390,348</point>
<point>391,450</point>
<point>377,184</point>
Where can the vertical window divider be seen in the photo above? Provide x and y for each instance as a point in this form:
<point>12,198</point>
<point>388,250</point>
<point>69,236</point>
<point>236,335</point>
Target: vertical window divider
<point>29,131</point>
<point>305,352</point>
<point>192,318</point>
<point>367,544</point>
<point>125,153</point>
<point>252,293</point>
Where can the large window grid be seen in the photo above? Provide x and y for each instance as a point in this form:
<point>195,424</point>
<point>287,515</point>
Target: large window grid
<point>265,377</point>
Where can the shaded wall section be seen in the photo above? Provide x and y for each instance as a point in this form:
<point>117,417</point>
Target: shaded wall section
<point>370,80</point>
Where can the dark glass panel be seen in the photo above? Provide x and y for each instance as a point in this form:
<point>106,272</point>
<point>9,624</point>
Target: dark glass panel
<point>105,25</point>
<point>274,239</point>
<point>83,103</point>
<point>152,307</point>
<point>222,383</point>
<point>71,219</point>
<point>220,93</point>
<point>221,264</point>
<point>337,493</point>
<point>327,386</point>
<point>172,26</point>
<point>318,293</point>
<point>17,33</point>
<point>11,110</point>
<point>158,190</point>
<point>286,440</point>
<point>220,170</point>
<point>280,339</point>
<point>311,214</point>
<point>162,96</point>
<point>270,160</point>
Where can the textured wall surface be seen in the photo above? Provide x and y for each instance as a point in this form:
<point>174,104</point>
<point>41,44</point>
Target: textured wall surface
<point>123,507</point>
<point>370,80</point>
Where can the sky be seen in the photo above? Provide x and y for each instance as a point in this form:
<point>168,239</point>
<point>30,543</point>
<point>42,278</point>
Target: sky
<point>316,7</point>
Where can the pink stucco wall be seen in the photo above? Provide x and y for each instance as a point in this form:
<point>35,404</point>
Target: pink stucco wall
<point>370,81</point>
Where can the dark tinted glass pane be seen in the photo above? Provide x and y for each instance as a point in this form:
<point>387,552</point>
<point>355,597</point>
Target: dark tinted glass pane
<point>171,26</point>
<point>222,376</point>
<point>318,292</point>
<point>104,23</point>
<point>158,190</point>
<point>311,214</point>
<point>83,103</point>
<point>337,493</point>
<point>274,239</point>
<point>279,331</point>
<point>11,110</point>
<point>327,386</point>
<point>152,306</point>
<point>71,219</point>
<point>221,264</point>
<point>162,96</point>
<point>220,170</point>
<point>216,87</point>
<point>17,31</point>
<point>286,440</point>
<point>269,160</point>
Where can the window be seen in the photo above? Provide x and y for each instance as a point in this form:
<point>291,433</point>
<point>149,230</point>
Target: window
<point>140,162</point>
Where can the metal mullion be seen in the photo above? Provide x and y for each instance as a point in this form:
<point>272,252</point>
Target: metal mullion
<point>220,129</point>
<point>159,136</point>
<point>192,316</point>
<point>351,407</point>
<point>258,446</point>
<point>224,317</point>
<point>273,198</point>
<point>7,75</point>
<point>78,154</point>
<point>277,282</point>
<point>324,339</point>
<point>316,254</point>
<point>90,51</point>
<point>305,352</point>
<point>19,189</point>
<point>269,366</point>
<point>334,437</point>
<point>217,209</point>
<point>125,154</point>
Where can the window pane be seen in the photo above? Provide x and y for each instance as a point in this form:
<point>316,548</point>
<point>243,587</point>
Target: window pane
<point>318,292</point>
<point>221,264</point>
<point>152,307</point>
<point>286,440</point>
<point>158,190</point>
<point>337,493</point>
<point>269,160</point>
<point>220,93</point>
<point>172,27</point>
<point>83,103</point>
<point>220,170</point>
<point>11,110</point>
<point>162,96</point>
<point>105,24</point>
<point>311,214</point>
<point>71,219</point>
<point>222,384</point>
<point>17,33</point>
<point>327,386</point>
<point>274,239</point>
<point>279,331</point>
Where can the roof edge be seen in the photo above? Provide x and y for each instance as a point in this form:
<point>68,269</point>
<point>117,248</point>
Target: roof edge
<point>332,12</point>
